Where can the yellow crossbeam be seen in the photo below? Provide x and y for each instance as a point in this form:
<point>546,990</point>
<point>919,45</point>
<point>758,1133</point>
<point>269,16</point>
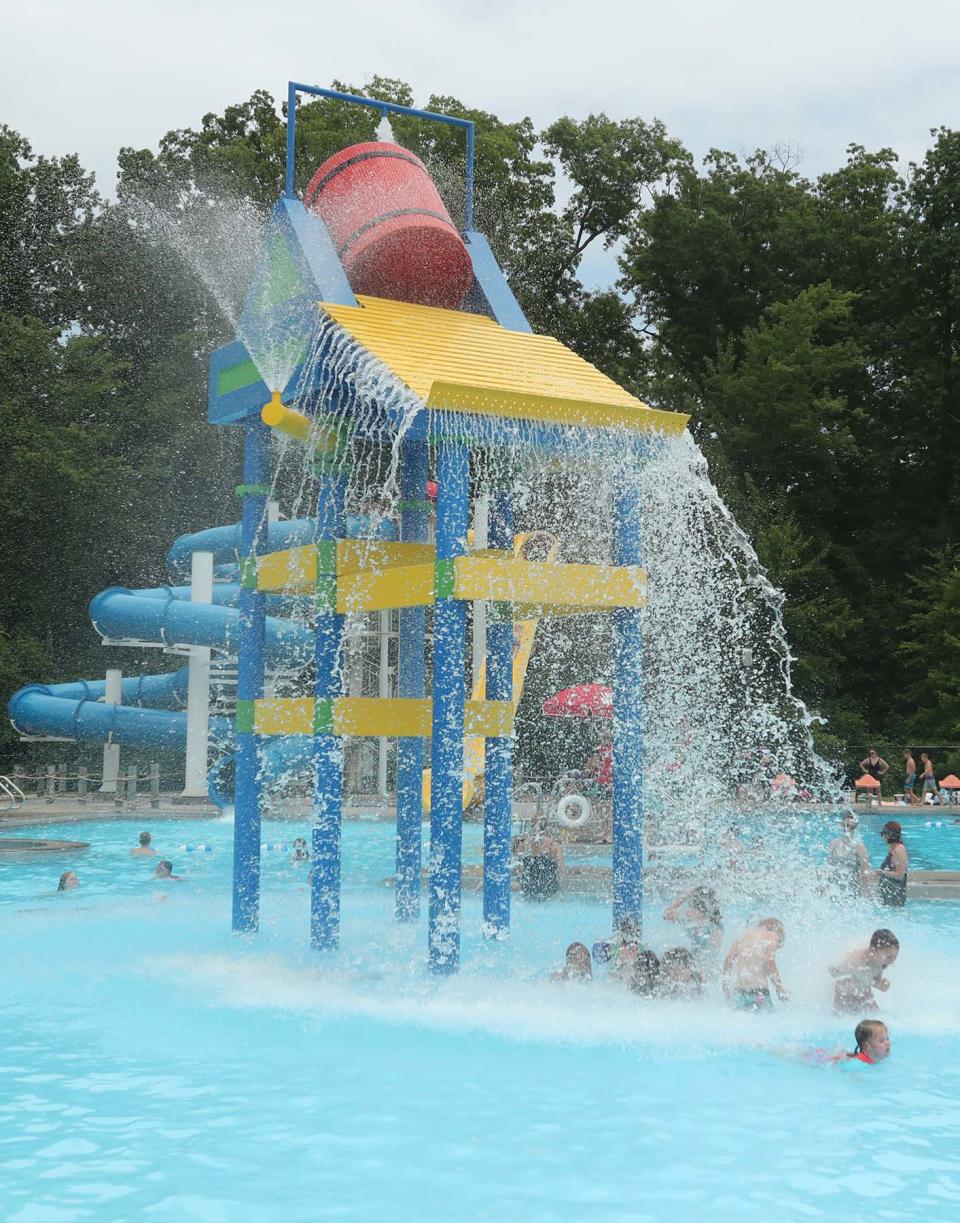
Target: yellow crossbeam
<point>590,587</point>
<point>376,716</point>
<point>407,586</point>
<point>294,570</point>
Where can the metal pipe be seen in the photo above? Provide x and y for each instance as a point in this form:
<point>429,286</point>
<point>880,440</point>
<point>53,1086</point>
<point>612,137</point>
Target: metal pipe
<point>411,682</point>
<point>498,752</point>
<point>627,722</point>
<point>250,676</point>
<point>112,695</point>
<point>198,686</point>
<point>327,747</point>
<point>449,697</point>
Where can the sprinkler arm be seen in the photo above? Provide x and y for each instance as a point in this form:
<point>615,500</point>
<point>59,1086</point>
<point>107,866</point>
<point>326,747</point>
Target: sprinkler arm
<point>295,424</point>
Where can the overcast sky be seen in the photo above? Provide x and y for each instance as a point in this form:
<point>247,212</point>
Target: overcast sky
<point>88,76</point>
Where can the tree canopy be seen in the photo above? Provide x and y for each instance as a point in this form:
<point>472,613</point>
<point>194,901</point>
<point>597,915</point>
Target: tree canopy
<point>810,326</point>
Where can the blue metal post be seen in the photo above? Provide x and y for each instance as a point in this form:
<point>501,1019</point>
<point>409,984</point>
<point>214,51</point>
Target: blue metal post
<point>291,137</point>
<point>328,747</point>
<point>246,828</point>
<point>627,723</point>
<point>469,177</point>
<point>411,664</point>
<point>449,696</point>
<point>498,752</point>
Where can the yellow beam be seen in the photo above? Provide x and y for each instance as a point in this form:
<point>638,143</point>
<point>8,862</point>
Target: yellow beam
<point>376,716</point>
<point>357,555</point>
<point>546,585</point>
<point>405,586</point>
<point>292,571</point>
<point>285,715</point>
<point>552,409</point>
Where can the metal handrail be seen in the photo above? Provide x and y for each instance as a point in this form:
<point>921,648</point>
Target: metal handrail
<point>11,796</point>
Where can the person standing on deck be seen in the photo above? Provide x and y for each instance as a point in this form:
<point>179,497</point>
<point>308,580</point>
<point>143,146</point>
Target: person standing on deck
<point>928,779</point>
<point>891,878</point>
<point>874,765</point>
<point>910,778</point>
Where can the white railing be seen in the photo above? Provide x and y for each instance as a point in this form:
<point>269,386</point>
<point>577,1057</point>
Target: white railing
<point>11,796</point>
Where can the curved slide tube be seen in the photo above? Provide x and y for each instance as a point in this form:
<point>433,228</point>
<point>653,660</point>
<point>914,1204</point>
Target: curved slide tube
<point>148,714</point>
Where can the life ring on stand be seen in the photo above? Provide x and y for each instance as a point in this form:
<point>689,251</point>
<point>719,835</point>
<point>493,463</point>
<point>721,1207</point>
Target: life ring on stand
<point>574,811</point>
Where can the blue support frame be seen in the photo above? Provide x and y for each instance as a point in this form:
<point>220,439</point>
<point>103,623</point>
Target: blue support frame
<point>295,87</point>
<point>411,665</point>
<point>449,697</point>
<point>328,747</point>
<point>627,723</point>
<point>250,673</point>
<point>498,752</point>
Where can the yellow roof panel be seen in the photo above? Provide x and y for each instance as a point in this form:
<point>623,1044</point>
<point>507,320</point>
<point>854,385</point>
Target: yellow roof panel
<point>452,353</point>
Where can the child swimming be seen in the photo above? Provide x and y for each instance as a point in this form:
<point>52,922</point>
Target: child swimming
<point>861,972</point>
<point>872,1038</point>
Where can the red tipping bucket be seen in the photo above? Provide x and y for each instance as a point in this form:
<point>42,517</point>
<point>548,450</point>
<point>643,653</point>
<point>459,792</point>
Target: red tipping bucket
<point>390,226</point>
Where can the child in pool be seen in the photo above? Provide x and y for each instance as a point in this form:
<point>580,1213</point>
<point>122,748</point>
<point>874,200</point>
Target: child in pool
<point>577,965</point>
<point>679,977</point>
<point>698,912</point>
<point>861,972</point>
<point>872,1045</point>
<point>645,974</point>
<point>751,967</point>
<point>620,951</point>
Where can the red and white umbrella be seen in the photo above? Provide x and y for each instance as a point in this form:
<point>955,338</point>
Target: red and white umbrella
<point>581,701</point>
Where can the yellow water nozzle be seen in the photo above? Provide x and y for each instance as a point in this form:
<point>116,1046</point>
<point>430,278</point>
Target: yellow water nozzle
<point>273,412</point>
<point>295,424</point>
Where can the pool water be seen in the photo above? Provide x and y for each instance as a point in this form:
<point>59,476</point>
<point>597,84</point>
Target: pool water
<point>155,1066</point>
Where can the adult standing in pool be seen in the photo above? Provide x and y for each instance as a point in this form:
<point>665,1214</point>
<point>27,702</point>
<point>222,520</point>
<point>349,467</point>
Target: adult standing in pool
<point>848,861</point>
<point>891,878</point>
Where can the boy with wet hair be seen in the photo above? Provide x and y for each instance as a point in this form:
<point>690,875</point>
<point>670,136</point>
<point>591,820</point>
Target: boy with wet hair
<point>144,849</point>
<point>861,972</point>
<point>751,967</point>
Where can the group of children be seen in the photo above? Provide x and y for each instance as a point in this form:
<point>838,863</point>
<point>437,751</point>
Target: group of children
<point>749,974</point>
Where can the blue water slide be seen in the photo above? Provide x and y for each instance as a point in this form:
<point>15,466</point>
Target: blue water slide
<point>42,709</point>
<point>121,614</point>
<point>227,594</point>
<point>224,542</point>
<point>149,712</point>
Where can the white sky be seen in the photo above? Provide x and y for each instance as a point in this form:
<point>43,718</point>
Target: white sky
<point>88,76</point>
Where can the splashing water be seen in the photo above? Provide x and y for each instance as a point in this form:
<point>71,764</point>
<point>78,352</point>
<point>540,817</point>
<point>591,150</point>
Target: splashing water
<point>220,241</point>
<point>717,730</point>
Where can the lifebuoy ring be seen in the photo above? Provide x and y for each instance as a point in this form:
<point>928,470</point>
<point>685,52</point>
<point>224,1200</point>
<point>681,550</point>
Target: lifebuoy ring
<point>574,811</point>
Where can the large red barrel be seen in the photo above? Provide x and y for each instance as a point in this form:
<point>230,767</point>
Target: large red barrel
<point>390,227</point>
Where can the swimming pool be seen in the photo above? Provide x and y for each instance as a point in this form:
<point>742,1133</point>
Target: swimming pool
<point>156,1066</point>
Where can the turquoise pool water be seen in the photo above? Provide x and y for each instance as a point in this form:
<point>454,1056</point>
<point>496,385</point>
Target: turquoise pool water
<point>154,1066</point>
